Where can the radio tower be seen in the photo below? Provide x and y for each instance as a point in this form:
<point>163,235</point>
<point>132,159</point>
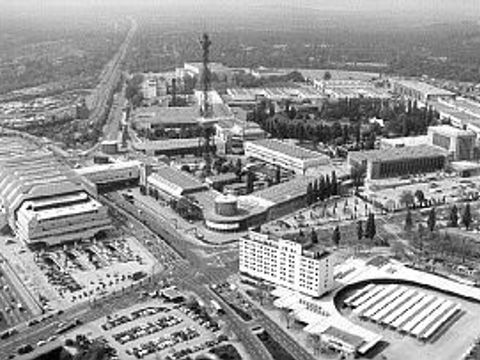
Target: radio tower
<point>205,106</point>
<point>205,109</point>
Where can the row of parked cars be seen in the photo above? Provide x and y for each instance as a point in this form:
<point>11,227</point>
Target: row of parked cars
<point>163,343</point>
<point>113,322</point>
<point>201,317</point>
<point>181,354</point>
<point>137,332</point>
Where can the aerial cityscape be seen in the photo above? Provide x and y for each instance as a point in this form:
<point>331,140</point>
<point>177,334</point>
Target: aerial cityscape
<point>255,180</point>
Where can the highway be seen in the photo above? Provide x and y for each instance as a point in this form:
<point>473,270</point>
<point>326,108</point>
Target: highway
<point>104,92</point>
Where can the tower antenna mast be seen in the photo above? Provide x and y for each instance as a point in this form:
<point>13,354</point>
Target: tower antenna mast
<point>205,108</point>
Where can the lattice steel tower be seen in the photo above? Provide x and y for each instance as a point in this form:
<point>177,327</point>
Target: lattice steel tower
<point>205,108</point>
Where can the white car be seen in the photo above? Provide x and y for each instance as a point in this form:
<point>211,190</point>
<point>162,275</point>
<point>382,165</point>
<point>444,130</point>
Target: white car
<point>41,343</point>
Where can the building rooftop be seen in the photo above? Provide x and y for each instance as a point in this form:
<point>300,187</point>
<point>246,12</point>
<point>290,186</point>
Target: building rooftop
<point>179,178</point>
<point>406,141</point>
<point>285,191</point>
<point>449,130</point>
<point>288,149</point>
<point>171,144</point>
<point>354,341</point>
<point>159,115</point>
<point>398,153</point>
<point>424,87</point>
<point>220,178</point>
<point>107,167</point>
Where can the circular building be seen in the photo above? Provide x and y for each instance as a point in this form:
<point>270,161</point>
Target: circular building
<point>226,205</point>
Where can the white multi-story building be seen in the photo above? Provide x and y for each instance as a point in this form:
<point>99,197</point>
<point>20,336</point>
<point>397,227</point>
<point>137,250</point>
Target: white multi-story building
<point>290,157</point>
<point>286,263</point>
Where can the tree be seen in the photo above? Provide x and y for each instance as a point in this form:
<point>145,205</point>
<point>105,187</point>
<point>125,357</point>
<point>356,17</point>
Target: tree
<point>314,237</point>
<point>408,221</point>
<point>250,181</point>
<point>310,194</point>
<point>238,168</point>
<point>370,230</point>
<point>334,184</point>
<point>453,219</point>
<point>322,189</point>
<point>278,176</point>
<point>420,196</point>
<point>406,198</point>
<point>336,236</point>
<point>467,217</point>
<point>432,220</point>
<point>359,230</point>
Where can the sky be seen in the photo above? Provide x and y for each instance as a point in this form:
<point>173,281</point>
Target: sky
<point>430,10</point>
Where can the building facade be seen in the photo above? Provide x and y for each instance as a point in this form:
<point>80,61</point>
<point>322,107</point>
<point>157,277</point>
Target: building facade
<point>397,162</point>
<point>47,203</point>
<point>460,144</point>
<point>420,91</point>
<point>290,157</point>
<point>286,263</point>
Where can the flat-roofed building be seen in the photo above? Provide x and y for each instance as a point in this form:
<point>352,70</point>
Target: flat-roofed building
<point>404,141</point>
<point>165,118</point>
<point>420,91</point>
<point>172,147</point>
<point>286,263</point>
<point>459,143</point>
<point>231,134</point>
<point>126,172</point>
<point>287,156</point>
<point>173,183</point>
<point>351,89</point>
<point>218,70</point>
<point>399,161</point>
<point>45,202</point>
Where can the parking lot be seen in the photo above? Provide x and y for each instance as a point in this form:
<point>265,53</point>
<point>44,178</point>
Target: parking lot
<point>157,328</point>
<point>84,271</point>
<point>61,276</point>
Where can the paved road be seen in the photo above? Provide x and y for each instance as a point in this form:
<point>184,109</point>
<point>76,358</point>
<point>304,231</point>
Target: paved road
<point>185,267</point>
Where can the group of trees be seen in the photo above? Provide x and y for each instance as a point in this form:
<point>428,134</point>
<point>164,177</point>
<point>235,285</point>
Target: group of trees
<point>370,228</point>
<point>328,125</point>
<point>133,91</point>
<point>187,208</point>
<point>466,218</point>
<point>322,189</point>
<point>407,119</point>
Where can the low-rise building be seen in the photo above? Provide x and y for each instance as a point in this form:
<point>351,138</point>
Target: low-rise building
<point>420,91</point>
<point>400,161</point>
<point>459,143</point>
<point>126,172</point>
<point>404,141</point>
<point>286,263</point>
<point>169,182</point>
<point>287,156</point>
<point>172,147</point>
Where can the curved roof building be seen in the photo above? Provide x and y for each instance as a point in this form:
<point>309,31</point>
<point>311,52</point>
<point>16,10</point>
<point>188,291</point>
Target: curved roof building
<point>43,200</point>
